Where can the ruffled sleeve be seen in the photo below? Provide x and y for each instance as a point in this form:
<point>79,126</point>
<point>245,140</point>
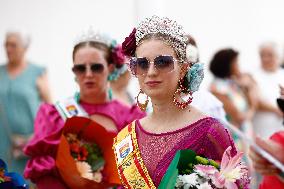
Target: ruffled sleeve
<point>42,147</point>
<point>219,139</point>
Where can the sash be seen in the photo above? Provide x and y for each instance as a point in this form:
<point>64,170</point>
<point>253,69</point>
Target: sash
<point>131,168</point>
<point>69,107</point>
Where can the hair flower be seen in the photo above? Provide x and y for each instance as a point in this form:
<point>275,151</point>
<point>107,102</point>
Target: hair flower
<point>195,76</point>
<point>129,44</point>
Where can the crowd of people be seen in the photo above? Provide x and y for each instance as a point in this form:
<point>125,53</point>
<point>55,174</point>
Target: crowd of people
<point>168,115</point>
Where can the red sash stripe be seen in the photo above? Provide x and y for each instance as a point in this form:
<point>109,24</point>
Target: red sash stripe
<point>136,161</point>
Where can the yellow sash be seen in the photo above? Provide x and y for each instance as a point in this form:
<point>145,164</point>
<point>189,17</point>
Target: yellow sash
<point>130,165</point>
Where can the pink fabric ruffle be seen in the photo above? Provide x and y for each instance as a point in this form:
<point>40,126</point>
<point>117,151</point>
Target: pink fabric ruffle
<point>42,148</point>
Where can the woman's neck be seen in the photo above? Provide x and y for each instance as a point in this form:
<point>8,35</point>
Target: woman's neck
<point>168,117</point>
<point>16,68</point>
<point>165,112</point>
<point>95,99</point>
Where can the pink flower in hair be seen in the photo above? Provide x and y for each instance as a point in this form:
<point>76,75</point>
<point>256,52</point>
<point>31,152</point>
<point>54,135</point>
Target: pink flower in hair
<point>129,44</point>
<point>118,56</point>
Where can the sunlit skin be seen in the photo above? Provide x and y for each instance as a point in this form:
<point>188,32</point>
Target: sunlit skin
<point>269,59</point>
<point>92,84</point>
<point>15,49</point>
<point>166,87</point>
<point>160,87</point>
<point>235,69</point>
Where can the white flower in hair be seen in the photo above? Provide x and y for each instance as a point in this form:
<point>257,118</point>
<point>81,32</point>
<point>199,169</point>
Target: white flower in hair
<point>95,36</point>
<point>191,53</point>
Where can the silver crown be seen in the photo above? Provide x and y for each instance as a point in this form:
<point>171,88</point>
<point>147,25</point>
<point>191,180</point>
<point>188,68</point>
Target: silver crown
<point>91,35</point>
<point>176,37</point>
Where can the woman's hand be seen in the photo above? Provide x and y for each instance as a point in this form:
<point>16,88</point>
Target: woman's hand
<point>260,164</point>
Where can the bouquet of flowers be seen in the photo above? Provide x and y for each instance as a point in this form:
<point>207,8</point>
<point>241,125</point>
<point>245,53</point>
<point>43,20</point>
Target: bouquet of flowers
<point>189,171</point>
<point>84,156</point>
<point>10,180</point>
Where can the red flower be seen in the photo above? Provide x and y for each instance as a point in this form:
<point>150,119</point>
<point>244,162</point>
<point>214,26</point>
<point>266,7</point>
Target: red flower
<point>74,147</point>
<point>118,56</point>
<point>84,152</point>
<point>129,44</point>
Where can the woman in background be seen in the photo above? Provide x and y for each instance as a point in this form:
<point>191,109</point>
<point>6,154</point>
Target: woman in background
<point>94,59</point>
<point>23,87</point>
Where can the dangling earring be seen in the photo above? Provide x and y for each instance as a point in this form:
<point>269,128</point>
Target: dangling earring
<point>110,94</point>
<point>182,104</point>
<point>140,105</point>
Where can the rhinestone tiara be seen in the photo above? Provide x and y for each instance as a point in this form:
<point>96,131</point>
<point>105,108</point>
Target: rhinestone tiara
<point>176,37</point>
<point>91,35</point>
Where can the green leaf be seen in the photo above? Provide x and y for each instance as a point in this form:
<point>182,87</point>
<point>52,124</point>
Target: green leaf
<point>169,179</point>
<point>179,164</point>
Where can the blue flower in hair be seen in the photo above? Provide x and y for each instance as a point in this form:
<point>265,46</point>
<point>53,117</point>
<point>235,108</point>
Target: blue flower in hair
<point>195,76</point>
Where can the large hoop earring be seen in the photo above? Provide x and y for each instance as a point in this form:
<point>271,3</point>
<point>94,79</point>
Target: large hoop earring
<point>141,105</point>
<point>182,103</point>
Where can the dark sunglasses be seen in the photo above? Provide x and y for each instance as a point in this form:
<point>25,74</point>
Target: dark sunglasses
<point>162,63</point>
<point>82,68</point>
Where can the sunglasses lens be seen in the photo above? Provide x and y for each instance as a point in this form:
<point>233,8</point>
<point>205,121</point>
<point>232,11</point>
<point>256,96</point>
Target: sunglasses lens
<point>79,69</point>
<point>97,68</point>
<point>142,65</point>
<point>133,65</point>
<point>82,68</point>
<point>164,63</point>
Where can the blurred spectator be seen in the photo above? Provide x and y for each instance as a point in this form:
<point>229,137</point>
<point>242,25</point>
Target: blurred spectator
<point>23,87</point>
<point>237,92</point>
<point>275,146</point>
<point>204,100</point>
<point>119,87</point>
<point>233,88</point>
<point>268,118</point>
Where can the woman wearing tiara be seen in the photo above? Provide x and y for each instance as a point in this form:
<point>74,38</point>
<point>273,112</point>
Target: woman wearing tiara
<point>95,57</point>
<point>145,148</point>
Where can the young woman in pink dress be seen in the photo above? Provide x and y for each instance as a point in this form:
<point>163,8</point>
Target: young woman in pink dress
<point>160,61</point>
<point>94,57</point>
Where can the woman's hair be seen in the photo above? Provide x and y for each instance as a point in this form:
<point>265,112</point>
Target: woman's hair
<point>97,45</point>
<point>222,61</point>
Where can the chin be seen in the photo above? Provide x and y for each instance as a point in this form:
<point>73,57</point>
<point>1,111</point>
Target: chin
<point>156,93</point>
<point>90,92</point>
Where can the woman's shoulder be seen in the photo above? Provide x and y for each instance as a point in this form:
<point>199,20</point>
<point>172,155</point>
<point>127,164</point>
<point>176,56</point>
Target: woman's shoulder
<point>207,122</point>
<point>36,69</point>
<point>47,109</point>
<point>47,118</point>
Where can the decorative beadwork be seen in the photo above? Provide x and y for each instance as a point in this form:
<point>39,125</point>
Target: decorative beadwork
<point>143,107</point>
<point>156,25</point>
<point>133,180</point>
<point>182,104</point>
<point>91,35</point>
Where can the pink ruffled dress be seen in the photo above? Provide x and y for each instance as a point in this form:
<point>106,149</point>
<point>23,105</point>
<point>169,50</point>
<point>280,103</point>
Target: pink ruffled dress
<point>42,148</point>
<point>206,137</point>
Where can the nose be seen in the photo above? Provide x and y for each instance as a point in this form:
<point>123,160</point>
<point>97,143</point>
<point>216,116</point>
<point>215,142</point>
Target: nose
<point>152,70</point>
<point>89,72</point>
